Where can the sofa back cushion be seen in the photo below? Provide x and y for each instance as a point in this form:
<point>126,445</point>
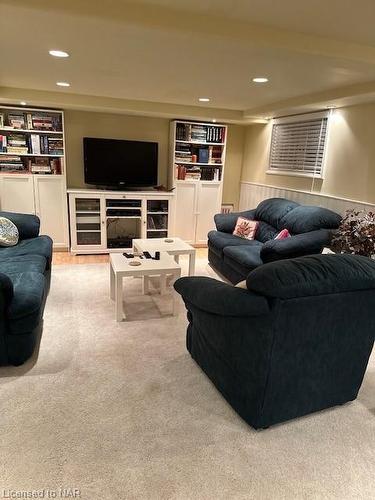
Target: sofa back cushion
<point>265,232</point>
<point>313,275</point>
<point>273,210</point>
<point>304,218</point>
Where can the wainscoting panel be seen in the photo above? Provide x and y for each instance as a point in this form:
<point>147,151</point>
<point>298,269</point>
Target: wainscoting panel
<point>252,194</point>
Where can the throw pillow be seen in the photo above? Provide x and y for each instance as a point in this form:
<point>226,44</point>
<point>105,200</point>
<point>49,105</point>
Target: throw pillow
<point>8,233</point>
<point>246,228</point>
<point>282,235</point>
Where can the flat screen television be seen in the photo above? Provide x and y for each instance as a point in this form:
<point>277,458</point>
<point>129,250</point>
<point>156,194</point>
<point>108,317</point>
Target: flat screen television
<point>120,163</point>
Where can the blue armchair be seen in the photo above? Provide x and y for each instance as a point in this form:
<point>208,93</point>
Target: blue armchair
<point>296,341</point>
<point>24,284</point>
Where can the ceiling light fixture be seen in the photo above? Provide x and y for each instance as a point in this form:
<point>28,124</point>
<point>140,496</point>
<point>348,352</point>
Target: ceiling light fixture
<point>260,79</point>
<point>214,120</point>
<point>58,53</point>
<point>331,106</point>
<point>204,99</point>
<point>23,103</point>
<point>63,84</point>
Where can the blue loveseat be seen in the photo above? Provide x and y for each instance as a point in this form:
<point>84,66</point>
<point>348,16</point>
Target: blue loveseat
<point>233,257</point>
<point>297,340</point>
<point>25,271</point>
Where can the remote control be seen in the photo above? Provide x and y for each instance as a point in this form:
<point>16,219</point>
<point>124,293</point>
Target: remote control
<point>147,255</point>
<point>128,255</point>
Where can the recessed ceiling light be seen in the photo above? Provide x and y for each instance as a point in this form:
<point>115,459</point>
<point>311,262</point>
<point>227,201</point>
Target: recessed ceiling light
<point>260,79</point>
<point>58,53</point>
<point>214,120</point>
<point>331,106</point>
<point>204,99</point>
<point>23,103</point>
<point>63,84</point>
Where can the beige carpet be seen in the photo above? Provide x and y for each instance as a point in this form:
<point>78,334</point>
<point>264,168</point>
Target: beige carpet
<point>120,411</point>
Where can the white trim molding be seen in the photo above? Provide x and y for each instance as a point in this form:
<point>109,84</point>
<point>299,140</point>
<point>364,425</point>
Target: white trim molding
<point>253,193</point>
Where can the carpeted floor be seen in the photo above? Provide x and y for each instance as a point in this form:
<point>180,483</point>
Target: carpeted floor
<point>120,411</point>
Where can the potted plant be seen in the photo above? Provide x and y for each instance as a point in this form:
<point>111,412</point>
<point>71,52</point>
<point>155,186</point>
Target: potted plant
<point>356,234</point>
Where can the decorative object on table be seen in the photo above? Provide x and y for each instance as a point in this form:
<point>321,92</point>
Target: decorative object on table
<point>9,235</point>
<point>169,240</point>
<point>356,234</point>
<point>246,228</point>
<point>134,263</point>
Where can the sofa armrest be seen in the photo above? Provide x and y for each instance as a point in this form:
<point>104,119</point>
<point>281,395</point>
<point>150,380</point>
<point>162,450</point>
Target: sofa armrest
<point>219,298</point>
<point>296,246</point>
<point>227,222</point>
<point>27,225</point>
<point>6,290</point>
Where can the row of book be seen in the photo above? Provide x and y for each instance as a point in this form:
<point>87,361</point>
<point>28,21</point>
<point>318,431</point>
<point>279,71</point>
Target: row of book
<point>190,154</point>
<point>195,173</point>
<point>31,121</point>
<point>36,166</point>
<point>199,133</point>
<point>31,144</point>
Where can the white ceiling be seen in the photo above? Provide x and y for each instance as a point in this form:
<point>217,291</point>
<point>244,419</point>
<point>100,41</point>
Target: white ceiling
<point>169,51</point>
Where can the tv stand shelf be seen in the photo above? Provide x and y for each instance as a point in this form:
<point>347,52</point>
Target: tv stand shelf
<point>107,221</point>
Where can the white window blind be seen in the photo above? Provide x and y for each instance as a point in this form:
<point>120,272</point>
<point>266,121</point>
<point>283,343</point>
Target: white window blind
<point>298,144</point>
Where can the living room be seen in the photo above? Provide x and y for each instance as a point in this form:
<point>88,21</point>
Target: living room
<point>187,245</point>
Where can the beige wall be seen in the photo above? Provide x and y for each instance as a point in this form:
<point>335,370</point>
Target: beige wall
<point>350,161</point>
<point>79,124</point>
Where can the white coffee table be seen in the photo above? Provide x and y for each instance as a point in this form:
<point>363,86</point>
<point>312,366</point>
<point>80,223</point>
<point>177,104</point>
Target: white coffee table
<point>176,247</point>
<point>120,267</point>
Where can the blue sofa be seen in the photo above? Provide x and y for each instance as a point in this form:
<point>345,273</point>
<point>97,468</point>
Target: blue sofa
<point>233,257</point>
<point>25,271</point>
<point>296,341</point>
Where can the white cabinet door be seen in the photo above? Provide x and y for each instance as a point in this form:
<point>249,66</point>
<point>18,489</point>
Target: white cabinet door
<point>208,205</point>
<point>185,211</point>
<point>51,208</point>
<point>17,193</point>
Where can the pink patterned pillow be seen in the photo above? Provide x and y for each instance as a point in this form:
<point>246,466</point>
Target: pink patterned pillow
<point>282,235</point>
<point>246,228</point>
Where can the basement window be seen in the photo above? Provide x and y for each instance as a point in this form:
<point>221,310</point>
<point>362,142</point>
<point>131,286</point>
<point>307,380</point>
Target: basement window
<point>298,145</point>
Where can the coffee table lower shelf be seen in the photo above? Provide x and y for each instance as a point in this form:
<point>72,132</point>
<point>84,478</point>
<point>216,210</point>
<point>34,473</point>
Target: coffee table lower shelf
<point>120,268</point>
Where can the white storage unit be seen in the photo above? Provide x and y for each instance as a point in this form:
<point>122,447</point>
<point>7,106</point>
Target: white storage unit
<point>198,184</point>
<point>108,221</point>
<point>32,168</point>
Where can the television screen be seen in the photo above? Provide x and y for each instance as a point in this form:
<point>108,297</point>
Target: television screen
<point>113,162</point>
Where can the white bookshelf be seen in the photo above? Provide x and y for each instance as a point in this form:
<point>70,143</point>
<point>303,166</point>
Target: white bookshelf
<point>30,181</point>
<point>198,195</point>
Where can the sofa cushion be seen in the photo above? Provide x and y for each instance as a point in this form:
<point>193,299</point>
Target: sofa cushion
<point>265,232</point>
<point>243,259</point>
<point>22,264</point>
<point>307,218</point>
<point>218,241</point>
<point>26,306</point>
<point>42,245</point>
<point>313,275</point>
<point>273,210</point>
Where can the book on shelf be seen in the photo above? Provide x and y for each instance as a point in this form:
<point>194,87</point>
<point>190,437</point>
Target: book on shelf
<point>203,155</point>
<point>3,143</point>
<point>1,120</point>
<point>11,164</point>
<point>16,120</point>
<point>40,166</point>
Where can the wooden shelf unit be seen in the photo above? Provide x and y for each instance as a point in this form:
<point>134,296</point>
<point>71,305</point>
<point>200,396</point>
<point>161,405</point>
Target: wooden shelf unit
<point>198,197</point>
<point>25,191</point>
